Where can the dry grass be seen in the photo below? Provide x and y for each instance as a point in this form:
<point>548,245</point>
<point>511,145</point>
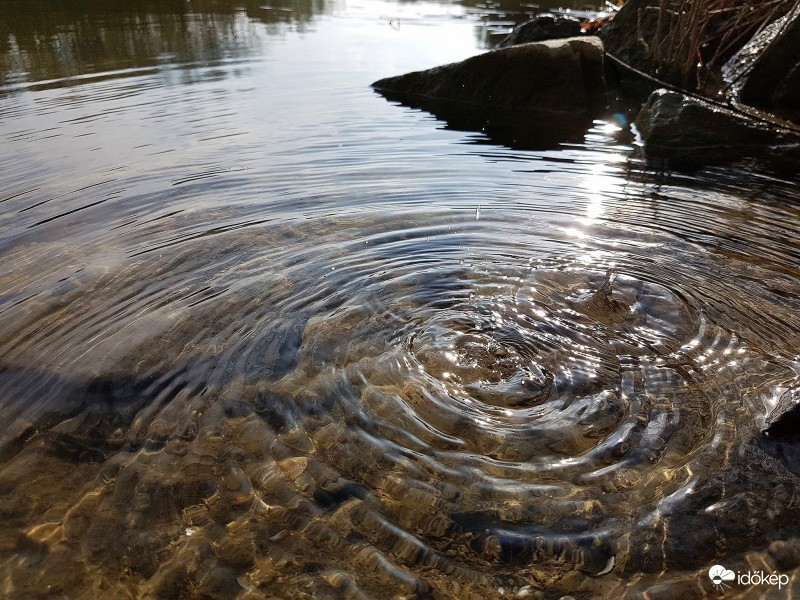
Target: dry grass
<point>694,37</point>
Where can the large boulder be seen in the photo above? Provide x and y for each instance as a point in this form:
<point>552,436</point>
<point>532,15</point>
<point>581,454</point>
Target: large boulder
<point>766,71</point>
<point>557,75</point>
<point>532,96</point>
<point>545,26</point>
<point>692,131</point>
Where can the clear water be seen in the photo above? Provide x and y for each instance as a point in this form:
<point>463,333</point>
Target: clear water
<point>264,334</point>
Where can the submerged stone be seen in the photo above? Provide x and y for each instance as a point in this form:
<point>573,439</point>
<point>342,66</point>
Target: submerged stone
<point>545,26</point>
<point>785,554</point>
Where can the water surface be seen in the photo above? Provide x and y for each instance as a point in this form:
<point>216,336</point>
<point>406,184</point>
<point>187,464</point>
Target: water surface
<point>265,334</point>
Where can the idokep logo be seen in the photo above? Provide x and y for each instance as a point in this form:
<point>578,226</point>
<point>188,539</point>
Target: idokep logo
<point>719,576</point>
<point>723,578</point>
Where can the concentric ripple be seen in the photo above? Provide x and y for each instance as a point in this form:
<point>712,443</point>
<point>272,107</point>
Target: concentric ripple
<point>422,407</point>
<point>266,335</point>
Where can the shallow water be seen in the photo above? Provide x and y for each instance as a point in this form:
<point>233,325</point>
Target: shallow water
<point>265,334</point>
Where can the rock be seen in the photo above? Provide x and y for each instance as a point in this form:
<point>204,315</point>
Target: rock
<point>693,131</point>
<point>784,420</point>
<point>633,36</point>
<point>545,26</point>
<point>532,96</point>
<point>630,34</point>
<point>742,505</point>
<point>766,71</point>
<point>557,75</point>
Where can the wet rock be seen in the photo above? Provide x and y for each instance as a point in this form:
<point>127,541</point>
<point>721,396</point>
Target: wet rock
<point>784,420</point>
<point>766,71</point>
<point>691,131</point>
<point>533,95</point>
<point>545,26</point>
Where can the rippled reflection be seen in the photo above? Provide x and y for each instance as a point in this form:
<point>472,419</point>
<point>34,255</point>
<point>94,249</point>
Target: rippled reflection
<point>68,38</point>
<point>56,42</point>
<point>264,334</point>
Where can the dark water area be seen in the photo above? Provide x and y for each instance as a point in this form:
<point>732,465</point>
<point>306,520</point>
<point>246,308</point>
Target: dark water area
<point>264,334</point>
